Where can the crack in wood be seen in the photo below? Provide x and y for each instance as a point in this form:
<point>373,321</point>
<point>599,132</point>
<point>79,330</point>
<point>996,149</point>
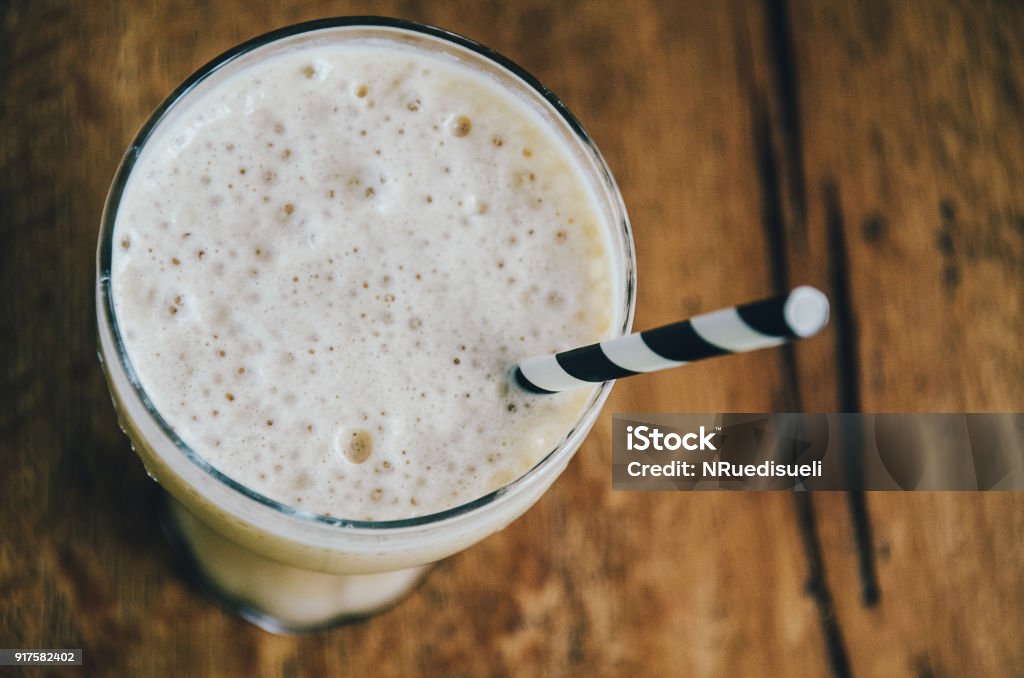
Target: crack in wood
<point>781,176</point>
<point>842,305</point>
<point>773,225</point>
<point>849,386</point>
<point>780,45</point>
<point>817,588</point>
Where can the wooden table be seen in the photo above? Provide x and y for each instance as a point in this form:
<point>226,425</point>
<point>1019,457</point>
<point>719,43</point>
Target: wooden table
<point>873,149</point>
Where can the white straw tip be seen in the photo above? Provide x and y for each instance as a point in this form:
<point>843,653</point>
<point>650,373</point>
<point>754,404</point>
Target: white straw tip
<point>806,310</point>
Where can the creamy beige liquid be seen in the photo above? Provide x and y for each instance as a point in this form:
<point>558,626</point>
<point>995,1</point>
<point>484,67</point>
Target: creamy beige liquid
<point>326,265</point>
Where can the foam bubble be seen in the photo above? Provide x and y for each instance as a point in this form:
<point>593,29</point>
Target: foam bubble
<point>355,445</point>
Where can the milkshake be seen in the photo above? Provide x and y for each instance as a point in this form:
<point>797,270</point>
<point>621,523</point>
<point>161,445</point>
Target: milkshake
<point>316,270</point>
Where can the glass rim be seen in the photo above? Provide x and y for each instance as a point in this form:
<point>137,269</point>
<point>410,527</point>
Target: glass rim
<point>132,154</point>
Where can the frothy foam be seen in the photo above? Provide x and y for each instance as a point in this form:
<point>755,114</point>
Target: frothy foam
<point>325,265</point>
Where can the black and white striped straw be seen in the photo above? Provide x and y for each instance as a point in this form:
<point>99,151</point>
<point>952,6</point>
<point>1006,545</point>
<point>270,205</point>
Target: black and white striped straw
<point>738,329</point>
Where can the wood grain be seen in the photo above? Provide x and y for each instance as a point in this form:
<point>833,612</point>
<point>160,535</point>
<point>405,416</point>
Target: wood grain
<point>873,150</point>
<point>924,192</point>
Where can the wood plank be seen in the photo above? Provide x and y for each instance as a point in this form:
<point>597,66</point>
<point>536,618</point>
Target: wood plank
<point>912,144</point>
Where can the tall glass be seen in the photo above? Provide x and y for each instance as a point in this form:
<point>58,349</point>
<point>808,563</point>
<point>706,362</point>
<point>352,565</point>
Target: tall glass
<point>287,569</point>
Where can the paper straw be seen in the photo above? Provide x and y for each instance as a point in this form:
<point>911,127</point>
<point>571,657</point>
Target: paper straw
<point>738,329</point>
